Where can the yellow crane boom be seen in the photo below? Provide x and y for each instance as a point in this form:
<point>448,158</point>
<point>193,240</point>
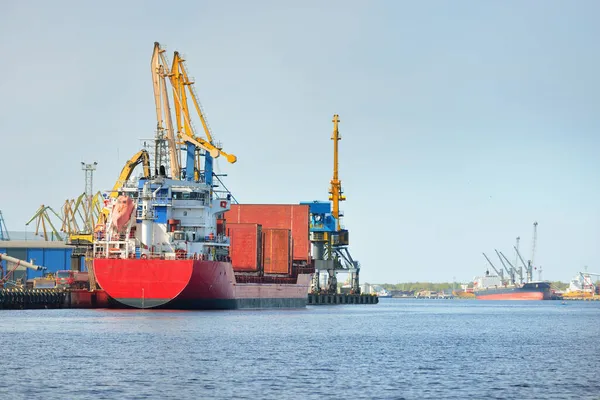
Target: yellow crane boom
<point>180,81</point>
<point>335,191</point>
<point>141,157</point>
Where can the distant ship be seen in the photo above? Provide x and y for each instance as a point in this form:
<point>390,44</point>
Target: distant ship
<point>491,287</point>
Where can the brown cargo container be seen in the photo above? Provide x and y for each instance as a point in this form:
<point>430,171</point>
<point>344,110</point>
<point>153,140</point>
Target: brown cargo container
<point>277,216</point>
<point>220,226</point>
<point>277,251</point>
<point>245,247</point>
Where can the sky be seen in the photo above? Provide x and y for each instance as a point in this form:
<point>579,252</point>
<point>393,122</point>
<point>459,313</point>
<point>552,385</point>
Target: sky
<point>462,122</point>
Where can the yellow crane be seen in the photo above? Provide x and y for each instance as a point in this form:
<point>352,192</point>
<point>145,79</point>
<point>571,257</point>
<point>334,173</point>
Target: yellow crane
<point>164,124</point>
<point>43,219</point>
<point>100,213</point>
<point>180,82</point>
<point>141,157</point>
<point>70,224</point>
<point>182,87</point>
<point>335,192</point>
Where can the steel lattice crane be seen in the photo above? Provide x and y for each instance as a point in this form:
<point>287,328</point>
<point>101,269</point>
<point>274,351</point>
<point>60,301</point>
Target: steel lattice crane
<point>43,218</point>
<point>335,192</point>
<point>329,240</point>
<point>534,242</point>
<point>3,231</point>
<point>185,138</point>
<point>533,246</point>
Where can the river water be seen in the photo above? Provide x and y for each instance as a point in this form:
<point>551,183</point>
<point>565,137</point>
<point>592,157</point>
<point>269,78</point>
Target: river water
<point>398,349</point>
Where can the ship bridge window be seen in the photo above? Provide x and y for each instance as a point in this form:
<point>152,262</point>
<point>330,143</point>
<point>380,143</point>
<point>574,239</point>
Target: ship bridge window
<point>188,196</point>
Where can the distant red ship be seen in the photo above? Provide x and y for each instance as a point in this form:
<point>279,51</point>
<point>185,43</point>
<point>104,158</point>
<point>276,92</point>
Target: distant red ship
<point>528,291</point>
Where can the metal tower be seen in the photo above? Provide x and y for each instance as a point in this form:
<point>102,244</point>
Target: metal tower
<point>534,242</point>
<point>3,230</point>
<point>335,192</point>
<point>517,251</point>
<point>89,193</point>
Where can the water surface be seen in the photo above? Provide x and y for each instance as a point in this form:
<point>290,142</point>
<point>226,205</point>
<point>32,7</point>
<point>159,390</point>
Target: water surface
<point>398,349</point>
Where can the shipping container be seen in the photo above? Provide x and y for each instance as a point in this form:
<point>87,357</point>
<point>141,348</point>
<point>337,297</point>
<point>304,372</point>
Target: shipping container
<point>277,216</point>
<point>220,226</point>
<point>245,247</point>
<point>277,251</point>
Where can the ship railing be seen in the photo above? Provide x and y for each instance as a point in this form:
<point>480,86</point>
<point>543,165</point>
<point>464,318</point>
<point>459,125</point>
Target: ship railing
<point>161,200</point>
<point>114,253</point>
<point>217,239</point>
<point>149,214</point>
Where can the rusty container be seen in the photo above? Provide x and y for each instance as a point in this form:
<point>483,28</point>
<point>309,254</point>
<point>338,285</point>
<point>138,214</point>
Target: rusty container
<point>277,216</point>
<point>277,244</point>
<point>245,247</point>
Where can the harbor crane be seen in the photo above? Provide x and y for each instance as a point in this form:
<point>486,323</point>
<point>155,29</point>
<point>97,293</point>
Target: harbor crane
<point>514,270</point>
<point>43,220</point>
<point>500,273</point>
<point>3,231</point>
<point>329,240</point>
<point>186,136</point>
<point>534,242</point>
<point>528,270</point>
<point>335,192</point>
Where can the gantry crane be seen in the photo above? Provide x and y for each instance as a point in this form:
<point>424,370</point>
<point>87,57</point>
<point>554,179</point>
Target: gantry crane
<point>180,82</point>
<point>533,245</point>
<point>165,154</point>
<point>43,218</point>
<point>329,240</point>
<point>99,212</point>
<point>335,192</point>
<point>3,231</point>
<point>186,134</point>
<point>500,272</point>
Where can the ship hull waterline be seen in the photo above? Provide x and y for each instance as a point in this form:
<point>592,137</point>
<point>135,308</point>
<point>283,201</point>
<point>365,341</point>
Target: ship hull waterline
<point>192,284</point>
<point>514,294</point>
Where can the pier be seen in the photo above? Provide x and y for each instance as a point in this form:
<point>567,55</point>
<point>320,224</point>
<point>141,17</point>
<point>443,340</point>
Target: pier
<point>329,299</point>
<point>27,299</point>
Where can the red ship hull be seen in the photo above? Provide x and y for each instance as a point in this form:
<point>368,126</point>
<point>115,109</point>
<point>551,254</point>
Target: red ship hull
<point>192,284</point>
<point>513,296</point>
<point>528,291</point>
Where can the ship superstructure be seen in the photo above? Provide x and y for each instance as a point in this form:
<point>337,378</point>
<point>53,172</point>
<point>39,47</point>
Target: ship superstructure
<point>164,218</point>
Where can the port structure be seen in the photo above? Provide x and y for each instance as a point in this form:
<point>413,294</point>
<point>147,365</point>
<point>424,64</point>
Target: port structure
<point>513,271</point>
<point>79,217</point>
<point>89,193</point>
<point>3,231</point>
<point>44,226</point>
<point>172,142</point>
<point>329,240</point>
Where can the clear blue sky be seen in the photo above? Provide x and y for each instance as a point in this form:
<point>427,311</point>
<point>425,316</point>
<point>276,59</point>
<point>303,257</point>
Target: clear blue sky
<point>462,121</point>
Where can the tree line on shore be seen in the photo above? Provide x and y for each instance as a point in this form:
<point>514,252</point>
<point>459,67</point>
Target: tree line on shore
<point>444,286</point>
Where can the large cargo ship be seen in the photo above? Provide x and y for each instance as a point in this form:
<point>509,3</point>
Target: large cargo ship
<point>164,242</point>
<point>491,287</point>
